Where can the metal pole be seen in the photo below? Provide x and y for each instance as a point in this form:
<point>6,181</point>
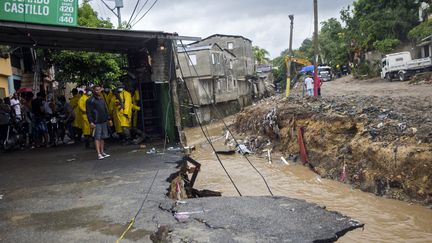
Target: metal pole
<point>119,17</point>
<point>315,43</point>
<point>290,54</point>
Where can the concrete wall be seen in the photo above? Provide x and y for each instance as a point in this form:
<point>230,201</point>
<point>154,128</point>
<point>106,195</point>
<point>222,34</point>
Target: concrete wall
<point>203,66</point>
<point>5,73</point>
<point>160,62</point>
<point>242,49</point>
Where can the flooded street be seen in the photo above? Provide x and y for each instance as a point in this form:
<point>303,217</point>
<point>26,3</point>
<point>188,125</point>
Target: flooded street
<point>385,220</point>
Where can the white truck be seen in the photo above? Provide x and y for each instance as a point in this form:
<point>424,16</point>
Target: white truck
<point>401,66</point>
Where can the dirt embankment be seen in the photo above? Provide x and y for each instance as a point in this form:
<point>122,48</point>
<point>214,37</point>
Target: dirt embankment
<point>384,143</point>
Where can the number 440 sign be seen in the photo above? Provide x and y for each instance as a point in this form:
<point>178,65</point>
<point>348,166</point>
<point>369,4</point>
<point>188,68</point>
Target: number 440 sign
<point>57,12</point>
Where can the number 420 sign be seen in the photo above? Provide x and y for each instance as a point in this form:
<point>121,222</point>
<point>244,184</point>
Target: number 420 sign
<point>56,12</point>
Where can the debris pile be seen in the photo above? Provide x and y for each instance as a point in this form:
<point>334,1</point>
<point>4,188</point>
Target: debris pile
<point>379,144</point>
<point>423,78</point>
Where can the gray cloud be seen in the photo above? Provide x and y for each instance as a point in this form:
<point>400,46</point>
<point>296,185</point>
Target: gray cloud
<point>266,23</point>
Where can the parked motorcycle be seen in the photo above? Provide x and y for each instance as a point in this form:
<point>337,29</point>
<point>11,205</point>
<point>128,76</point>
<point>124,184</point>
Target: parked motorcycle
<point>17,136</point>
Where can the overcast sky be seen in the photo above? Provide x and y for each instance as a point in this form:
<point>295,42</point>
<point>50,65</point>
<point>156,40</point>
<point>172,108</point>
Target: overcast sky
<point>265,22</point>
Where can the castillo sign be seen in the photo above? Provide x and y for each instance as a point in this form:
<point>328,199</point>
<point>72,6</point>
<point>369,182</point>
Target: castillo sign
<point>57,12</point>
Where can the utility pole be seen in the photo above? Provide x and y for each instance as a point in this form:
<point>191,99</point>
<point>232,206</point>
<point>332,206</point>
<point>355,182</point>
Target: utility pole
<point>290,55</point>
<point>118,5</point>
<point>315,43</point>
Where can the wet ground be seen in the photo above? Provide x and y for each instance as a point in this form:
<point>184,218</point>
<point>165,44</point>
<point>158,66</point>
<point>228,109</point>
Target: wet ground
<point>64,194</point>
<point>386,220</point>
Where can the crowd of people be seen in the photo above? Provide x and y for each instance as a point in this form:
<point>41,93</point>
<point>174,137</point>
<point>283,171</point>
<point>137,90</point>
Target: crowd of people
<point>45,120</point>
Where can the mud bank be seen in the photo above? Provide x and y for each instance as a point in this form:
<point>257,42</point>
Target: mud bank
<point>386,151</point>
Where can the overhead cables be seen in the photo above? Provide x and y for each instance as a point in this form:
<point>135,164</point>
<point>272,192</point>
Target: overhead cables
<point>202,129</point>
<point>148,10</point>
<point>133,12</point>
<point>219,116</point>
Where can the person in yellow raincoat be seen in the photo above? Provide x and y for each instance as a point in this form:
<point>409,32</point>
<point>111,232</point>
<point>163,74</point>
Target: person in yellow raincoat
<point>77,122</point>
<point>83,114</point>
<point>113,105</point>
<point>107,95</point>
<point>123,112</point>
<point>135,108</point>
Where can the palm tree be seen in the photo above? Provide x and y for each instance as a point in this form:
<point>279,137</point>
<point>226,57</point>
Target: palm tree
<point>260,55</point>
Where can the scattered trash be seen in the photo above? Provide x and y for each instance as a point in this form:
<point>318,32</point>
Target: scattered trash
<point>242,149</point>
<point>142,146</point>
<point>268,155</point>
<point>1,196</point>
<point>343,174</point>
<point>152,151</point>
<point>176,149</point>
<point>284,161</point>
<point>402,126</point>
<point>70,160</point>
<point>318,179</point>
<point>181,217</point>
<point>380,125</point>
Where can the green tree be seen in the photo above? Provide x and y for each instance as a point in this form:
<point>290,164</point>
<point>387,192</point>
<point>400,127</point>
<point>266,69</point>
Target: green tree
<point>260,54</point>
<point>333,45</point>
<point>87,67</point>
<point>372,21</point>
<point>421,31</point>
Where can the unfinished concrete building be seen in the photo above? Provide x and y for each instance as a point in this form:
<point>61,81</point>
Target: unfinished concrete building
<point>218,72</point>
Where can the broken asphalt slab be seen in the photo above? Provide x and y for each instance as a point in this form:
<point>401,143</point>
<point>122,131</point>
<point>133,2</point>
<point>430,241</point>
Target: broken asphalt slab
<point>47,199</point>
<point>256,219</point>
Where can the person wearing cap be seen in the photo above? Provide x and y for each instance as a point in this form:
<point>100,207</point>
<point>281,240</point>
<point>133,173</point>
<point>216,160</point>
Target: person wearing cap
<point>85,125</point>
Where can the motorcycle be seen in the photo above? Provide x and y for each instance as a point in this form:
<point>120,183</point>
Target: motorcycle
<point>16,136</point>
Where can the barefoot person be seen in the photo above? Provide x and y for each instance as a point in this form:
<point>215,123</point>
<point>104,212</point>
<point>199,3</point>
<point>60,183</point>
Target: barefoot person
<point>98,118</point>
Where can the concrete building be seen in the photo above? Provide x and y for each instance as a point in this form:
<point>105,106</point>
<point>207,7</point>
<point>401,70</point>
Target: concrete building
<point>218,71</point>
<point>5,76</point>
<point>425,46</point>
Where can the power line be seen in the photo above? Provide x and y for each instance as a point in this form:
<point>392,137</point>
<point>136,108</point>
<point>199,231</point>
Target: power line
<point>140,10</point>
<point>145,13</point>
<point>202,129</point>
<point>225,125</point>
<point>133,12</point>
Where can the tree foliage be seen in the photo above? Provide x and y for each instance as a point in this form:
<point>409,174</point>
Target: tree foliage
<point>421,31</point>
<point>373,21</point>
<point>87,67</point>
<point>333,44</point>
<point>260,55</point>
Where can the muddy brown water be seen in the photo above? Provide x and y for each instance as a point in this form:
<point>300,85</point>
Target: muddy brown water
<point>385,220</point>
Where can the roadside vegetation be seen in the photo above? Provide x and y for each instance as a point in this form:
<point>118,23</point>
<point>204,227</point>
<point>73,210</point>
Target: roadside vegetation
<point>367,25</point>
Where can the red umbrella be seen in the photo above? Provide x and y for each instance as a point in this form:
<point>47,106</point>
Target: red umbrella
<point>24,90</point>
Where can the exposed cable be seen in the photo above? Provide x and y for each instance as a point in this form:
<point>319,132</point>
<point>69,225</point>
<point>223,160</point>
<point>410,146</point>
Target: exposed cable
<point>202,129</point>
<point>140,10</point>
<point>132,221</point>
<point>133,12</point>
<point>145,13</point>
<point>225,125</point>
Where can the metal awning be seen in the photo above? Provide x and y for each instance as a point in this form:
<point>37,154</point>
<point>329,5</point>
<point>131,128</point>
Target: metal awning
<point>79,38</point>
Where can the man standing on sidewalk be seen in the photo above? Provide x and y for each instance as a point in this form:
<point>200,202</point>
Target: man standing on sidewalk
<point>98,118</point>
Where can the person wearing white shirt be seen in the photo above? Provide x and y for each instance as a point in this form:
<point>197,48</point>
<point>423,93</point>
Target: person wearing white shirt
<point>16,106</point>
<point>309,85</point>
